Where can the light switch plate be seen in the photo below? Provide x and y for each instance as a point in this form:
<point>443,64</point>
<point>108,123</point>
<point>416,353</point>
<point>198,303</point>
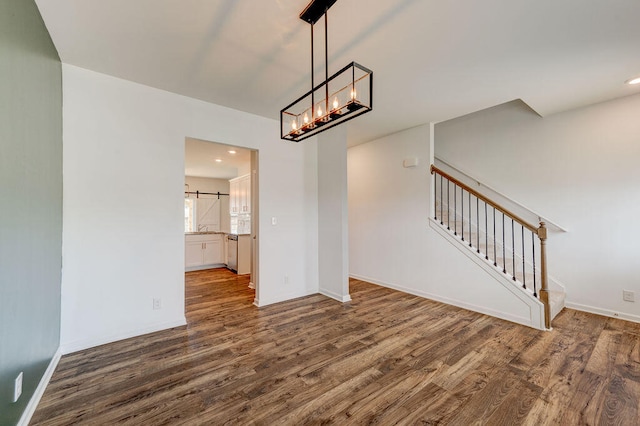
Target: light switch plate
<point>17,387</point>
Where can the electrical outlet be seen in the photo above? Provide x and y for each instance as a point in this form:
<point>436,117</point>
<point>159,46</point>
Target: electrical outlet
<point>157,303</point>
<point>274,221</point>
<point>628,296</point>
<point>17,388</point>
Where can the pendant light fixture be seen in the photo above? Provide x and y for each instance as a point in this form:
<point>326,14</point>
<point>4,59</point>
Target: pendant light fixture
<point>339,98</point>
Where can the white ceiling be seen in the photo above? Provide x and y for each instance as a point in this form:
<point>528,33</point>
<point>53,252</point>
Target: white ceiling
<point>432,60</point>
<point>200,160</point>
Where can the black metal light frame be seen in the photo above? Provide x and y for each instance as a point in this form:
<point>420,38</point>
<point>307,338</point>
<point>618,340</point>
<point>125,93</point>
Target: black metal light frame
<point>308,118</point>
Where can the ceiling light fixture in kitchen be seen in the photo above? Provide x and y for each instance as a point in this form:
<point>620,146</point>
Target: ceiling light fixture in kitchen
<point>339,98</point>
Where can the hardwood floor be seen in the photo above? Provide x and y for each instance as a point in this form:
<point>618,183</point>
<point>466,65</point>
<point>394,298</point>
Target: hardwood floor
<point>385,358</point>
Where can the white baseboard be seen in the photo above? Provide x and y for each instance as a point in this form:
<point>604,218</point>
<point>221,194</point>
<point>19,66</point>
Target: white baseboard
<point>42,386</point>
<point>79,345</point>
<point>203,267</point>
<point>529,322</point>
<point>282,298</point>
<point>601,311</point>
<point>342,299</point>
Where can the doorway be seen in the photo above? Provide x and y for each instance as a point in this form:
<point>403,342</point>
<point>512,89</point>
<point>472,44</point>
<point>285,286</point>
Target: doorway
<point>221,208</point>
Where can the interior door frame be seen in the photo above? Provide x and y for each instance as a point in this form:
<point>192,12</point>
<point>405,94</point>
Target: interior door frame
<point>255,224</point>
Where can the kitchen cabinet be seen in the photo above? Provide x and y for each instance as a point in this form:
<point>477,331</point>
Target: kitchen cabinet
<point>225,244</point>
<point>202,250</point>
<point>245,194</point>
<point>212,252</point>
<point>244,254</point>
<point>234,191</point>
<point>240,195</point>
<point>193,254</point>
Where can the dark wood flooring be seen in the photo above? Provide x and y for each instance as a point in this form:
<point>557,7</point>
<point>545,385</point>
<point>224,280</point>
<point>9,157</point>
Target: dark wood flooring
<point>385,358</point>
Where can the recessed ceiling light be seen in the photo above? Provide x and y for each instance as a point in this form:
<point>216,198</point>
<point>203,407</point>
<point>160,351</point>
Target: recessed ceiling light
<point>635,80</point>
<point>218,160</point>
<point>231,151</point>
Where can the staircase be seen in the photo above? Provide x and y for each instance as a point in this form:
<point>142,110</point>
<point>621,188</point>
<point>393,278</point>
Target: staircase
<point>507,243</point>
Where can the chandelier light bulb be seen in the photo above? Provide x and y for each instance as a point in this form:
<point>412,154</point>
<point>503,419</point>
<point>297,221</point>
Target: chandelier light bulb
<point>294,125</point>
<point>306,119</point>
<point>353,94</point>
<point>319,111</point>
<point>336,104</point>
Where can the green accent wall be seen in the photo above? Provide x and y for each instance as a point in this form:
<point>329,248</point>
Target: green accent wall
<point>30,202</point>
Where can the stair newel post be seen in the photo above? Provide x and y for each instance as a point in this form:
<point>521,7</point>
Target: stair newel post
<point>544,284</point>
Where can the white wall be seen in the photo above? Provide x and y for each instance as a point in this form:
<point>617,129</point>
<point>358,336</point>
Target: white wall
<point>244,169</point>
<point>213,186</point>
<point>579,169</point>
<point>391,242</point>
<point>203,184</point>
<point>123,205</point>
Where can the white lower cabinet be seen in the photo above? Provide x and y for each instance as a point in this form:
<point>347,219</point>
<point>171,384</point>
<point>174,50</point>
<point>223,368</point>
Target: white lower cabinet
<point>244,254</point>
<point>212,252</point>
<point>193,254</point>
<point>225,245</point>
<point>201,250</point>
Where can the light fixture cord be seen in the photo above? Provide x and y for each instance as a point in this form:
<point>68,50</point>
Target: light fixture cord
<point>326,62</point>
<point>313,101</point>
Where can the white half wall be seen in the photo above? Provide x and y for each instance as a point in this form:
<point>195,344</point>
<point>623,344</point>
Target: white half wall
<point>123,205</point>
<point>333,236</point>
<point>391,242</point>
<point>579,169</point>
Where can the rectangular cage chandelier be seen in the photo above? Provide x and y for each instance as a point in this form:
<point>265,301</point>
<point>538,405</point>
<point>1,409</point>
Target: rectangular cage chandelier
<point>345,95</point>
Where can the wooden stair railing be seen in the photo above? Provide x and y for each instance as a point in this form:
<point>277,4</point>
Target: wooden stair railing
<point>453,192</point>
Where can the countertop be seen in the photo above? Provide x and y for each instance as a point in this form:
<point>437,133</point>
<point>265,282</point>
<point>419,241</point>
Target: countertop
<point>214,232</point>
<point>205,233</point>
